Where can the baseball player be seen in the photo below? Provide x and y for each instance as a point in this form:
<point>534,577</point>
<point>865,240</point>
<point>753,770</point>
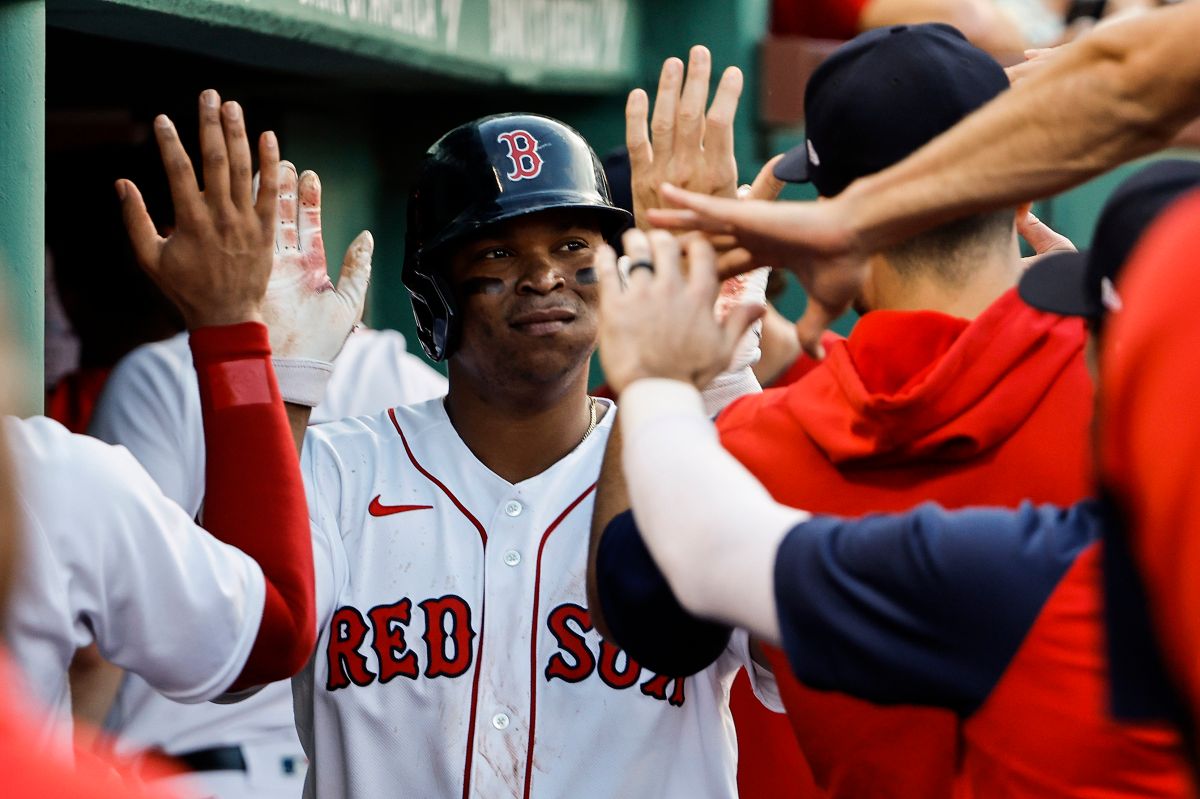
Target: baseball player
<point>150,406</point>
<point>992,614</point>
<point>455,652</point>
<point>105,557</point>
<point>27,767</point>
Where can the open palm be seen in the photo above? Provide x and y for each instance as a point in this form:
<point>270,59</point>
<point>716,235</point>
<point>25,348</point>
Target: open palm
<point>307,315</point>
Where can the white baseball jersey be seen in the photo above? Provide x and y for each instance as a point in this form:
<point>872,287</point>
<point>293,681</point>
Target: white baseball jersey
<point>455,654</point>
<point>151,405</point>
<point>106,558</point>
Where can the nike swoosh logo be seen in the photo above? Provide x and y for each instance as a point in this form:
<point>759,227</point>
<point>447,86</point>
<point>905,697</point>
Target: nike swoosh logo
<point>377,508</point>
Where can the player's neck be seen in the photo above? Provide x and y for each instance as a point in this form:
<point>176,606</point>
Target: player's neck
<point>966,299</point>
<point>519,436</point>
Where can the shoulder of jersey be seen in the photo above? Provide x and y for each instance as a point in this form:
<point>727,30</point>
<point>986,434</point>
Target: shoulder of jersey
<point>412,419</point>
<point>169,355</point>
<point>57,457</point>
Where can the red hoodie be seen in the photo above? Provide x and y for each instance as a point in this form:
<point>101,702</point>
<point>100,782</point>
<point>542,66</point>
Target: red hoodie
<point>914,406</point>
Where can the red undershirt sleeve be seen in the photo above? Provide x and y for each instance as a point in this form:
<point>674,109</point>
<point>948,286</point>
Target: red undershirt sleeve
<point>254,494</point>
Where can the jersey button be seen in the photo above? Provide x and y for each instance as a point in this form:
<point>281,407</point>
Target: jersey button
<point>512,557</point>
<point>514,508</point>
<point>500,721</point>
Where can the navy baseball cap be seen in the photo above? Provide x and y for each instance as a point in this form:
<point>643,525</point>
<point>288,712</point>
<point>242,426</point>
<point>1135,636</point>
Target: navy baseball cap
<point>1082,283</point>
<point>881,96</point>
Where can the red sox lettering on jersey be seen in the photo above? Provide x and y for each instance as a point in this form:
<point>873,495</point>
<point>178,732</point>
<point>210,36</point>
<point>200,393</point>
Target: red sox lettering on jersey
<point>523,151</point>
<point>456,654</point>
<point>448,648</point>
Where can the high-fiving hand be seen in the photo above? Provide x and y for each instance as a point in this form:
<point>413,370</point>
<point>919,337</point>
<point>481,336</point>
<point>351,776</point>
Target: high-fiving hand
<point>683,145</point>
<point>815,240</point>
<point>661,324</point>
<point>216,263</point>
<point>308,317</point>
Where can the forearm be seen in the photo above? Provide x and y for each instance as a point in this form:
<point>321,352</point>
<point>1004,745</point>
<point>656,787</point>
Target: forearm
<point>612,498</point>
<point>711,527</point>
<point>254,494</point>
<point>1119,93</point>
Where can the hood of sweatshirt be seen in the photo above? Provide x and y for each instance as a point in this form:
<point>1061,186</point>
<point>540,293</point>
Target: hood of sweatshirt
<point>925,386</point>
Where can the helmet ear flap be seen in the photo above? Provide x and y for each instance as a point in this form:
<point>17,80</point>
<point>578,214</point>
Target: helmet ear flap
<point>435,313</point>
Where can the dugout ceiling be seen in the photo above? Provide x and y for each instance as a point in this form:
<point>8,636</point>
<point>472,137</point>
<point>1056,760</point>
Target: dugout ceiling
<point>577,45</point>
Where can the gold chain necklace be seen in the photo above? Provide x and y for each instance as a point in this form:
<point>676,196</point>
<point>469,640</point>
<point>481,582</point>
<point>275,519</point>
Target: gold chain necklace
<point>595,417</point>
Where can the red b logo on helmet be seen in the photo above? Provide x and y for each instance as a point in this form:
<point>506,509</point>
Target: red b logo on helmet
<point>522,151</point>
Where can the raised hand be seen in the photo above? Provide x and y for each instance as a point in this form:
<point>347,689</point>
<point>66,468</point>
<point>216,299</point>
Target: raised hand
<point>216,263</point>
<point>308,317</point>
<point>662,323</point>
<point>683,145</point>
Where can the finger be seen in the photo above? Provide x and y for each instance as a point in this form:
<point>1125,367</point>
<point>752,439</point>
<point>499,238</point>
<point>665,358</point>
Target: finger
<point>662,123</point>
<point>702,267</point>
<point>681,219</point>
<point>1041,237</point>
<point>723,242</point>
<point>213,153</point>
<point>241,171</point>
<point>287,230</point>
<point>724,214</point>
<point>665,249</point>
<point>637,247</point>
<point>689,119</point>
<point>718,128</point>
<point>766,186</point>
<point>608,277</point>
<point>736,262</point>
<point>356,272</point>
<point>309,220</point>
<point>637,135</point>
<point>816,320</point>
<point>266,182</point>
<point>142,233</point>
<point>181,177</point>
<point>739,320</point>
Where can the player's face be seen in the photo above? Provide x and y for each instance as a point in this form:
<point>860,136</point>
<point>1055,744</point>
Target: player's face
<point>527,290</point>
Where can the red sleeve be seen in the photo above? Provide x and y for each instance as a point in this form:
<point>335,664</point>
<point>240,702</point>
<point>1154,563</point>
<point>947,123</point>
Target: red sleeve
<point>254,494</point>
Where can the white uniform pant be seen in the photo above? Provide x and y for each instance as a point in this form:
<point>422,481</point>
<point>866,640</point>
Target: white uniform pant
<point>273,771</point>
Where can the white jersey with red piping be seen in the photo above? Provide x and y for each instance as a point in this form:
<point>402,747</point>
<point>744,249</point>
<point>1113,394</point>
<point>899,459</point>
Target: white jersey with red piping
<point>455,654</point>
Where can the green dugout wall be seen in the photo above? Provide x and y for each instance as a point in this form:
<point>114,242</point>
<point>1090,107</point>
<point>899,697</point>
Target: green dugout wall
<point>356,89</point>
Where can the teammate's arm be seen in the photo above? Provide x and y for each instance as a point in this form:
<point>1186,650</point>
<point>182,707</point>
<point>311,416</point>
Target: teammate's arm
<point>1122,91</point>
<point>215,266</point>
<point>926,607</point>
<point>682,143</point>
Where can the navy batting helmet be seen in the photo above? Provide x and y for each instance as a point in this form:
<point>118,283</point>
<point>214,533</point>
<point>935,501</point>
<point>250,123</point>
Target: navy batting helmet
<point>488,171</point>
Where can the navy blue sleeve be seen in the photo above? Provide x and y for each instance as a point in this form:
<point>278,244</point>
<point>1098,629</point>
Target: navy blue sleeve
<point>926,607</point>
<point>641,611</point>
